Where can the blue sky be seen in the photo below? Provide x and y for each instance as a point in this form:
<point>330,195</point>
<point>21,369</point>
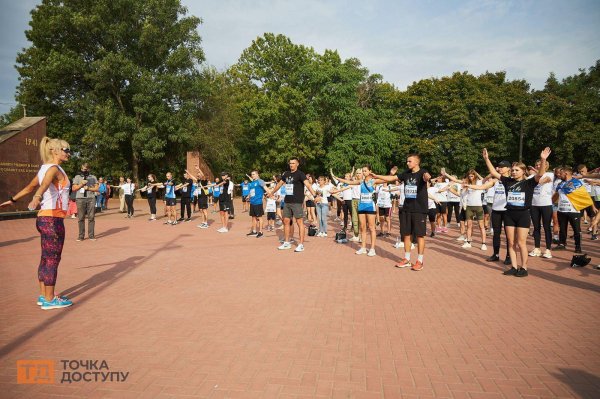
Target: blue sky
<point>405,41</point>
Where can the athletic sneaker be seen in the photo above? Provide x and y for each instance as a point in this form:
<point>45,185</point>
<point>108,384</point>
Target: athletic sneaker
<point>41,299</point>
<point>223,230</point>
<point>174,222</point>
<point>510,272</point>
<point>399,244</point>
<point>299,248</point>
<point>403,263</point>
<point>167,222</point>
<point>285,245</point>
<point>444,229</point>
<point>417,266</point>
<point>79,239</point>
<point>559,247</point>
<point>432,234</point>
<point>521,273</point>
<point>461,238</point>
<point>252,234</point>
<point>547,254</point>
<point>594,237</point>
<point>260,234</point>
<point>361,251</point>
<point>323,234</point>
<point>188,220</point>
<point>92,238</point>
<point>152,219</point>
<point>535,252</point>
<point>493,258</point>
<point>55,303</point>
<point>467,244</point>
<point>354,239</point>
<point>484,247</point>
<point>371,252</point>
<point>180,220</point>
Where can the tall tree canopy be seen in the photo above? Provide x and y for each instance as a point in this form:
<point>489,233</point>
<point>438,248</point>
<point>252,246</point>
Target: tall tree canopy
<point>119,79</point>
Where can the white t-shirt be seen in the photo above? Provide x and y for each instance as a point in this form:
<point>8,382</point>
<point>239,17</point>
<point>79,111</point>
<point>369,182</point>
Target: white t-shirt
<point>542,193</point>
<point>441,196</point>
<point>564,205</point>
<point>499,197</point>
<point>128,188</point>
<point>451,196</point>
<point>384,199</point>
<point>324,192</point>
<point>432,192</point>
<point>474,196</point>
<point>356,192</point>
<point>346,194</point>
<point>489,195</point>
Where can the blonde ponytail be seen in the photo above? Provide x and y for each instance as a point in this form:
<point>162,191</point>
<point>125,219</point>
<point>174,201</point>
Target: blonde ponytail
<point>47,147</point>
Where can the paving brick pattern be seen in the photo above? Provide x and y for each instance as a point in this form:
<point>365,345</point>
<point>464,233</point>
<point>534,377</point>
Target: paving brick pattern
<point>192,313</point>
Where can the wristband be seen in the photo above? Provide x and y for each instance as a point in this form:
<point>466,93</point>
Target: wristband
<point>38,195</point>
<point>11,199</point>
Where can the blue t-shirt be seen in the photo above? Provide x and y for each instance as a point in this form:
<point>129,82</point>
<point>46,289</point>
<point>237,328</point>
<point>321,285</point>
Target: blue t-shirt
<point>246,189</point>
<point>169,189</point>
<point>256,190</point>
<point>216,191</point>
<point>366,196</point>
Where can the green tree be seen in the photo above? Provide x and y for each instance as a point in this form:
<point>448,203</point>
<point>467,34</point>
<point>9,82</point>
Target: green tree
<point>117,78</point>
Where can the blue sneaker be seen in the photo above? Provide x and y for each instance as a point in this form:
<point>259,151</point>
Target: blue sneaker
<point>41,299</point>
<point>56,303</point>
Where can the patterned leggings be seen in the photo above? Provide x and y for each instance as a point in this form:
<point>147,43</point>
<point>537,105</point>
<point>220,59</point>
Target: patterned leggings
<point>52,231</point>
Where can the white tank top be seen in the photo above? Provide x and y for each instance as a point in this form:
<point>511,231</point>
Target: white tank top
<point>499,203</point>
<point>542,194</point>
<point>55,200</point>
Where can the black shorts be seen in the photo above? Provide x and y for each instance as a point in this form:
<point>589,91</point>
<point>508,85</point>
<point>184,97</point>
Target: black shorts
<point>310,204</point>
<point>441,207</point>
<point>384,211</point>
<point>256,211</point>
<point>215,200</point>
<point>224,206</point>
<point>170,201</point>
<point>203,202</point>
<point>517,218</point>
<point>462,215</point>
<point>487,209</point>
<point>431,213</point>
<point>245,198</point>
<point>271,216</point>
<point>413,223</point>
<point>367,212</point>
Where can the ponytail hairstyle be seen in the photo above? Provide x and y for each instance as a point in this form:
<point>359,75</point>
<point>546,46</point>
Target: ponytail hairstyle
<point>48,146</point>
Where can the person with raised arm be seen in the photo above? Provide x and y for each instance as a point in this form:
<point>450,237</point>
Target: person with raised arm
<point>150,190</point>
<point>51,186</point>
<point>519,196</point>
<point>414,210</point>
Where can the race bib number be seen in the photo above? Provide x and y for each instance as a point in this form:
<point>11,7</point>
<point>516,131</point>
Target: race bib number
<point>289,189</point>
<point>366,198</point>
<point>516,198</point>
<point>564,205</point>
<point>252,193</point>
<point>410,191</point>
<point>538,189</point>
<point>185,189</point>
<point>271,205</point>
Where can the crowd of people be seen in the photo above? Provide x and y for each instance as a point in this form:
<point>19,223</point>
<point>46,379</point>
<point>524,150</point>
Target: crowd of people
<point>505,201</point>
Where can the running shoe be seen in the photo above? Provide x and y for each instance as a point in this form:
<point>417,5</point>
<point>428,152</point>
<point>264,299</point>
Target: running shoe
<point>223,230</point>
<point>594,237</point>
<point>521,273</point>
<point>399,244</point>
<point>361,251</point>
<point>285,245</point>
<point>483,247</point>
<point>467,244</point>
<point>252,234</point>
<point>432,234</point>
<point>403,263</point>
<point>418,266</point>
<point>535,252</point>
<point>174,222</point>
<point>493,258</point>
<point>299,248</point>
<point>371,252</point>
<point>260,234</point>
<point>354,239</point>
<point>188,220</point>
<point>55,303</point>
<point>547,254</point>
<point>41,299</point>
<point>180,220</point>
<point>510,272</point>
<point>559,247</point>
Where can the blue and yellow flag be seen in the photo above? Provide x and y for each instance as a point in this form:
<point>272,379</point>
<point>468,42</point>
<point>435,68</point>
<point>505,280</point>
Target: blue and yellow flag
<point>577,194</point>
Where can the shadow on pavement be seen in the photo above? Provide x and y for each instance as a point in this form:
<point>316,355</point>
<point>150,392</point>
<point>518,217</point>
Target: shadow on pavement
<point>97,283</point>
<point>584,384</point>
<point>109,232</point>
<point>13,242</point>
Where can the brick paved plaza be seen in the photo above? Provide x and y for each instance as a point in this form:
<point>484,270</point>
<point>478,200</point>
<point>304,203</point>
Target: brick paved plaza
<point>192,313</point>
